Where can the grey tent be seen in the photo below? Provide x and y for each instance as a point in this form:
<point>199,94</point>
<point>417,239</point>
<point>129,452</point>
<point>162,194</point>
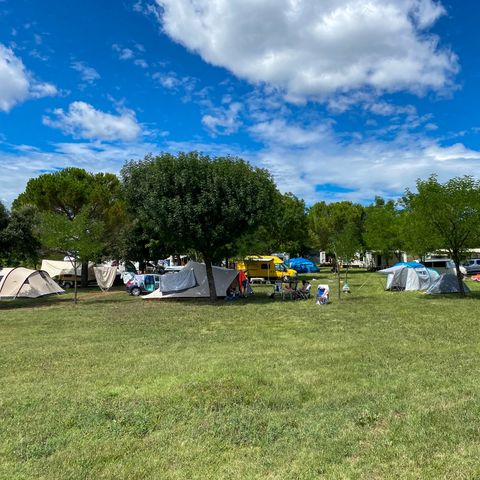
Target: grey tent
<point>191,282</point>
<point>446,283</point>
<point>25,283</point>
<point>409,276</point>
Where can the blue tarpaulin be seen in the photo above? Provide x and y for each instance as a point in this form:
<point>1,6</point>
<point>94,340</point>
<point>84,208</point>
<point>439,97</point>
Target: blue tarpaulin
<point>302,265</point>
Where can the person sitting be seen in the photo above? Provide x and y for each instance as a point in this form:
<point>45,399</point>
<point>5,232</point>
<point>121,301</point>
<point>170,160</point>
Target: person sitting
<point>304,292</point>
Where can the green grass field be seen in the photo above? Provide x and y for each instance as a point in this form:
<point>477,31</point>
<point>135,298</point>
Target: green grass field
<point>380,385</point>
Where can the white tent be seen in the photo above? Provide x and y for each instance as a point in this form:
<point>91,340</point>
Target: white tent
<point>180,285</point>
<point>409,277</point>
<point>446,283</point>
<point>25,283</point>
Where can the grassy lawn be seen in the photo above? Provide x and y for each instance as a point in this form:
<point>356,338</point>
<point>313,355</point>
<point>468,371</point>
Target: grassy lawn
<point>380,385</point>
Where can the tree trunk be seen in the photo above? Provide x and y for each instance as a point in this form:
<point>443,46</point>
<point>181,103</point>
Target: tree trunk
<point>456,259</point>
<point>211,281</point>
<point>84,279</point>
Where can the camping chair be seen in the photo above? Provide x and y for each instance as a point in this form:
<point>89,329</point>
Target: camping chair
<point>277,290</point>
<point>323,294</point>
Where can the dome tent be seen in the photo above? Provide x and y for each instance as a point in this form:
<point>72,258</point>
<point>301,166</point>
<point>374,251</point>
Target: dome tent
<point>446,283</point>
<point>410,276</point>
<point>25,283</point>
<point>302,265</point>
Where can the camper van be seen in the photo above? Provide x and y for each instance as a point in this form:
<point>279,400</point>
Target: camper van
<point>268,268</point>
<point>443,265</point>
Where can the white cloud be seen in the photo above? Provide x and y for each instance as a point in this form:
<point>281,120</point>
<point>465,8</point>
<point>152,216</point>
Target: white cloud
<point>129,54</point>
<point>24,162</point>
<point>17,84</point>
<point>82,120</point>
<point>223,120</point>
<point>88,74</point>
<point>312,49</point>
<point>302,158</point>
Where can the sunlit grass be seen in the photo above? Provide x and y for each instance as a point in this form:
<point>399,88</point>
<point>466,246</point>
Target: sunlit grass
<point>379,385</point>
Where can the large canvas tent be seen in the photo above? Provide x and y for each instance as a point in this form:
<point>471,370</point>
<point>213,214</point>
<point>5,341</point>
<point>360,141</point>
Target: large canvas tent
<point>191,282</point>
<point>409,276</point>
<point>57,268</point>
<point>25,283</point>
<point>302,265</point>
<point>446,283</point>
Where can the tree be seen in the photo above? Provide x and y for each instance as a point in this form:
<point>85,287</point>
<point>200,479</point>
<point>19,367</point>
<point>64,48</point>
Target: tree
<point>80,238</point>
<point>337,228</point>
<point>446,216</point>
<point>383,228</point>
<point>18,236</point>
<point>74,191</point>
<point>285,231</point>
<point>191,201</point>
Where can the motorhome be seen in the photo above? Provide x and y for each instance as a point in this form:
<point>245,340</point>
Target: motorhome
<point>268,268</point>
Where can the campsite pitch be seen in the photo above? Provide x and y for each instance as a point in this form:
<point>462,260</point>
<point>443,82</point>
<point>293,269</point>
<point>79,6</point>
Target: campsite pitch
<point>382,385</point>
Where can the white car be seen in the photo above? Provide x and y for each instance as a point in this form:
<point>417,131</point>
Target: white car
<point>472,266</point>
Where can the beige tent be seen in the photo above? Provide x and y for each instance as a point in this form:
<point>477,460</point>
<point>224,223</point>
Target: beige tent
<point>25,283</point>
<point>223,278</point>
<point>55,268</point>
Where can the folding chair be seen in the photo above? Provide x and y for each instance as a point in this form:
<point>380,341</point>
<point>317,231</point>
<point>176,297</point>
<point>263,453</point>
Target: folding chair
<point>323,294</point>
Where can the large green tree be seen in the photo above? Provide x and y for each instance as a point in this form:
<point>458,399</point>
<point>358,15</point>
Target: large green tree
<point>337,228</point>
<point>191,201</point>
<point>18,236</point>
<point>446,216</point>
<point>384,228</point>
<point>74,192</point>
<point>285,231</point>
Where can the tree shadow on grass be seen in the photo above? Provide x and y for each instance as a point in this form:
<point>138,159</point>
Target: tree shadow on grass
<point>33,303</point>
<point>452,296</point>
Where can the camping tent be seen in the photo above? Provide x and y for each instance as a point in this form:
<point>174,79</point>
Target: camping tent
<point>25,283</point>
<point>55,268</point>
<point>302,265</point>
<point>446,283</point>
<point>409,276</point>
<point>191,282</point>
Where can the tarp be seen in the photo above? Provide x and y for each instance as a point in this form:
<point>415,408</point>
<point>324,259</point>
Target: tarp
<point>409,277</point>
<point>55,268</point>
<point>446,283</point>
<point>302,265</point>
<point>223,278</point>
<point>105,276</point>
<point>177,282</point>
<point>25,283</point>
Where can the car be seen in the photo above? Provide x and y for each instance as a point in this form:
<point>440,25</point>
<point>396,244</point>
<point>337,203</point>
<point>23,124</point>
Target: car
<point>472,266</point>
<point>146,283</point>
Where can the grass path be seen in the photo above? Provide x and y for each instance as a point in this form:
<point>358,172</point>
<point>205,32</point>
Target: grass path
<point>380,385</point>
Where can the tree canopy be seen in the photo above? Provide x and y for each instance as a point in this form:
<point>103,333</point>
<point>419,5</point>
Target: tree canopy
<point>384,228</point>
<point>192,201</point>
<point>86,200</point>
<point>446,216</point>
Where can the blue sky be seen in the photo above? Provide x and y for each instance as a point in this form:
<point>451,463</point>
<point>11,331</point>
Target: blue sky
<point>339,99</point>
